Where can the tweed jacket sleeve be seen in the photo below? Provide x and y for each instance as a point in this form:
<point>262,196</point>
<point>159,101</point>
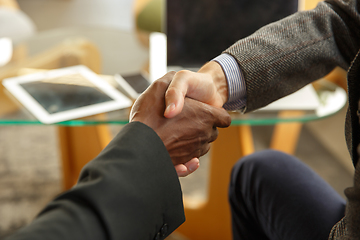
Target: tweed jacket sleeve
<point>348,227</point>
<point>129,191</point>
<point>284,56</point>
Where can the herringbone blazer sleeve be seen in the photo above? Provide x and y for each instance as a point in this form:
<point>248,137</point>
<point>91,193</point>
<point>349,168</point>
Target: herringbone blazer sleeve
<point>130,191</point>
<point>284,56</point>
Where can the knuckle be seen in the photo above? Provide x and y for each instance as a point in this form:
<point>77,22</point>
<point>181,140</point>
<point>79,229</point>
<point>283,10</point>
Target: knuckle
<point>214,135</point>
<point>169,74</point>
<point>224,119</point>
<point>183,73</point>
<point>206,149</point>
<point>167,78</point>
<point>170,91</point>
<point>227,120</point>
<point>216,132</point>
<point>160,83</point>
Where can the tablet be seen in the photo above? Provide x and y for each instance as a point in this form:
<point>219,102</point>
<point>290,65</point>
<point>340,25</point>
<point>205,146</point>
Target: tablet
<point>133,84</point>
<point>64,94</point>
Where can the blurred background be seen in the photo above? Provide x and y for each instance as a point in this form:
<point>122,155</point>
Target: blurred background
<point>29,156</point>
<point>50,14</point>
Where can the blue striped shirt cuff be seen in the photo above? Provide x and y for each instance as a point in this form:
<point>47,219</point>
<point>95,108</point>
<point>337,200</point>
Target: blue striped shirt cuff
<point>235,80</point>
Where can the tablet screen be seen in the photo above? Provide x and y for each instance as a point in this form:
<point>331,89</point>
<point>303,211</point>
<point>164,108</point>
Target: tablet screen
<point>65,93</point>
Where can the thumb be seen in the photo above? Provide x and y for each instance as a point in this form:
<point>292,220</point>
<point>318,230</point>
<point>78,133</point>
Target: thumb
<point>174,100</point>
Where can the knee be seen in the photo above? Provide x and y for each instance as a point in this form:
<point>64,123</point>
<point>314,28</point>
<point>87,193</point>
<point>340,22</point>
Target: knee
<point>260,161</point>
<point>258,167</point>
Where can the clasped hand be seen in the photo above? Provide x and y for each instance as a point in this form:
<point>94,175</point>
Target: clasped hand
<point>186,136</point>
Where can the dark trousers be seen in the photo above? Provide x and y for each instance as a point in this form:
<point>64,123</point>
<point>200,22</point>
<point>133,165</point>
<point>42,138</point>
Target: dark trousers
<point>275,196</point>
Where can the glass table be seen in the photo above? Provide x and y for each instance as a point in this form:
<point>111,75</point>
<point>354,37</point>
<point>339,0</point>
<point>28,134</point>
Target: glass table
<point>111,51</point>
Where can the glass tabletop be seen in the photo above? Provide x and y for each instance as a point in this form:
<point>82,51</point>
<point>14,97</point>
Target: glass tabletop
<point>122,52</point>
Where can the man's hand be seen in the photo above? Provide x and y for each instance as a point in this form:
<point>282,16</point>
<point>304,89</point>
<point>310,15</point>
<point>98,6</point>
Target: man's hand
<point>208,85</point>
<point>186,136</point>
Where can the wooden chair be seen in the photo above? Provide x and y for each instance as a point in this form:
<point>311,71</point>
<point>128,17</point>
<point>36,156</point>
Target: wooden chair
<point>78,144</point>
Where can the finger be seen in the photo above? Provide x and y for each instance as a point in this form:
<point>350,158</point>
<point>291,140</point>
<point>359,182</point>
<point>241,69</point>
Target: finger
<point>181,170</point>
<point>174,101</point>
<point>222,118</point>
<point>175,94</point>
<point>185,169</point>
<point>192,165</point>
<point>188,84</point>
<point>168,77</point>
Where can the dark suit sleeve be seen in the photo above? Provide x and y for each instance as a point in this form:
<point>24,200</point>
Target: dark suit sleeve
<point>130,191</point>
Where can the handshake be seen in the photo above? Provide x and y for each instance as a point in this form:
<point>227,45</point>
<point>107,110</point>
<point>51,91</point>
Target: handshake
<point>185,125</point>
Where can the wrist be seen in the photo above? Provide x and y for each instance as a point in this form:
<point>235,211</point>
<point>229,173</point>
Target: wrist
<point>218,77</point>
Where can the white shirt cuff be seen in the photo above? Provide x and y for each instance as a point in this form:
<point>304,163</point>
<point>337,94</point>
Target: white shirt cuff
<point>235,80</point>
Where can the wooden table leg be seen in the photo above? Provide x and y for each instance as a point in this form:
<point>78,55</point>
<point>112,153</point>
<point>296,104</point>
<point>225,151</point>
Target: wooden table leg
<point>286,135</point>
<point>211,219</point>
<point>7,105</point>
<point>78,146</point>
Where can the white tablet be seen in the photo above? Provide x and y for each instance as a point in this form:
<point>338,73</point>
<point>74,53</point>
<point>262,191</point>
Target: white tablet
<point>64,94</point>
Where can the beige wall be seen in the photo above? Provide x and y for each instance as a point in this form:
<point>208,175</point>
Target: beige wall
<point>48,14</point>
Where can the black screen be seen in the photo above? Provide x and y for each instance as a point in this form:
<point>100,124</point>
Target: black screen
<point>138,82</point>
<point>65,93</point>
<point>199,30</point>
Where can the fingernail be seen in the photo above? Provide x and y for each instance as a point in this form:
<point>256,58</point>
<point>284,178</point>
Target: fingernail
<point>193,166</point>
<point>170,108</point>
